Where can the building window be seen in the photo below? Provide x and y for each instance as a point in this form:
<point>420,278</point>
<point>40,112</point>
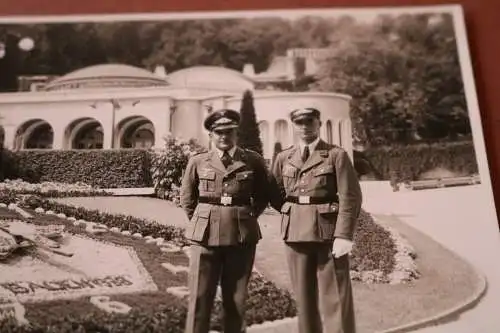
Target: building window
<point>329,131</point>
<point>340,133</point>
<point>281,133</point>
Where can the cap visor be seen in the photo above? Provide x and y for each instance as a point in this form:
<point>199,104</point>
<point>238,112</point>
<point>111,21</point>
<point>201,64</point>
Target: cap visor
<point>303,116</point>
<point>223,127</point>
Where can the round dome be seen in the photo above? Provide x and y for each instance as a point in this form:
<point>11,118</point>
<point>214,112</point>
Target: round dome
<point>106,76</point>
<point>210,77</point>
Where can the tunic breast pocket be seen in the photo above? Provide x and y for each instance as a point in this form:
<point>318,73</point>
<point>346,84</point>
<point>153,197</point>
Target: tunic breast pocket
<point>245,180</point>
<point>289,173</point>
<point>207,181</point>
<point>323,175</point>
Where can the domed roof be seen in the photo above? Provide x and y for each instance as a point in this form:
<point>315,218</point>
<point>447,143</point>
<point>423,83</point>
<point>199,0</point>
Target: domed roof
<point>211,77</point>
<point>106,76</point>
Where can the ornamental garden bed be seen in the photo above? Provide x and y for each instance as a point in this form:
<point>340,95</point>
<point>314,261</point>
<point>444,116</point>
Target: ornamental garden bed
<point>380,254</point>
<point>115,281</point>
<point>388,289</point>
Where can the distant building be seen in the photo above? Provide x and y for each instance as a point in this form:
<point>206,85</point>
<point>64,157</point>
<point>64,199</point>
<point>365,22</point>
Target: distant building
<point>114,106</point>
<point>285,69</point>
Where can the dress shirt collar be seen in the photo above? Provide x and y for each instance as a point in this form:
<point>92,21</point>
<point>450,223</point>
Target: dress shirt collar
<point>221,152</point>
<point>312,145</point>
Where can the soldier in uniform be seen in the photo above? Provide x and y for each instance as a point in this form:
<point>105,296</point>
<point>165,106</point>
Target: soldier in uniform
<point>223,192</point>
<point>318,194</point>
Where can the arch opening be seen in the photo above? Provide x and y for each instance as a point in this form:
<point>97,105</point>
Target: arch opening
<point>34,134</point>
<point>136,132</point>
<point>281,132</point>
<point>85,133</point>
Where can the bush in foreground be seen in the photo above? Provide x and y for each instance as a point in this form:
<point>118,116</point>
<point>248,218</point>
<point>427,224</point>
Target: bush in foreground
<point>168,164</point>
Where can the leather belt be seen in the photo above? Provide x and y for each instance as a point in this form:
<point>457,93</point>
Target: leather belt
<point>225,201</point>
<point>308,200</point>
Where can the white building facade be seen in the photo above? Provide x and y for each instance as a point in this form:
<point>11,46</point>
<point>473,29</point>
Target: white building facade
<point>119,106</point>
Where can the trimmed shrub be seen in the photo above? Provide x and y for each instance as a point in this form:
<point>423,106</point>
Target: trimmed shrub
<point>407,163</point>
<point>248,131</point>
<point>98,168</point>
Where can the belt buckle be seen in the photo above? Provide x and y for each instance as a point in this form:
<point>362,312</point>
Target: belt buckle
<point>304,199</point>
<point>226,200</point>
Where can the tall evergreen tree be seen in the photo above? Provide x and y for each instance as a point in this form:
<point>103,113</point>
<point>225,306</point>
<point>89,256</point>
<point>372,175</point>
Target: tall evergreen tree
<point>248,132</point>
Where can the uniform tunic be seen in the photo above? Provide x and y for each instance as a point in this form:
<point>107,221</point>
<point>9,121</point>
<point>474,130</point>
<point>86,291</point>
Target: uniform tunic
<point>319,200</point>
<point>224,236</point>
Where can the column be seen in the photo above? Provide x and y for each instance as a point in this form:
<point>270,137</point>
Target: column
<point>347,137</point>
<point>161,122</point>
<point>106,144</point>
<point>10,135</point>
<point>58,137</point>
<point>322,131</point>
<point>336,132</point>
<point>291,135</point>
<point>271,139</point>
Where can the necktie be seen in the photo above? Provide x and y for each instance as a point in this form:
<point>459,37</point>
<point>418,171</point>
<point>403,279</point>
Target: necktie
<point>226,159</point>
<point>305,154</point>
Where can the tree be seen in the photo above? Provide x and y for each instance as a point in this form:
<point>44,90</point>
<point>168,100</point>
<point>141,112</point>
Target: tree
<point>404,76</point>
<point>248,131</point>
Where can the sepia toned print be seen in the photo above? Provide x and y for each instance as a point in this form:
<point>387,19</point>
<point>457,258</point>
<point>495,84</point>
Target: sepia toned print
<point>261,171</point>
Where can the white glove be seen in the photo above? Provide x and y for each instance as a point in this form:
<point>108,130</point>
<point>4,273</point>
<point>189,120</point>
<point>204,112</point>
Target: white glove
<point>341,247</point>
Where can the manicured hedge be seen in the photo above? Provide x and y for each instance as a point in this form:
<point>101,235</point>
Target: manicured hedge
<point>407,163</point>
<point>99,168</point>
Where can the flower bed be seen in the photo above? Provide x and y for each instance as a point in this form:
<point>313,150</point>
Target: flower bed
<point>147,311</point>
<point>51,189</point>
<point>380,255</point>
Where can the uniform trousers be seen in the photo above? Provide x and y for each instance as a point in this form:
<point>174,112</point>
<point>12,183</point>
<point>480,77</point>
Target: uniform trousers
<point>322,288</point>
<point>209,265</point>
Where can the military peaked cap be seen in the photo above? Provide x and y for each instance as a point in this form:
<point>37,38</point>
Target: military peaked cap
<point>304,113</point>
<point>222,119</point>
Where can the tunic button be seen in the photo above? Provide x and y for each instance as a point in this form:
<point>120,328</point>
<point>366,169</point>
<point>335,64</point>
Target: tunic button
<point>302,190</point>
<point>226,184</point>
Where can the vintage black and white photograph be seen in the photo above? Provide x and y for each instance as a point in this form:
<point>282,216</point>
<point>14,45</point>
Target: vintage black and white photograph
<point>298,171</point>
